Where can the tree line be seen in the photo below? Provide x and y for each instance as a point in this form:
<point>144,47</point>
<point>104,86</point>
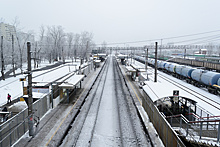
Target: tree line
<point>53,44</point>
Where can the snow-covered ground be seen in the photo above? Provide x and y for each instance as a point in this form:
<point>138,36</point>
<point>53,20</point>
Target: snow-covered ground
<point>14,87</point>
<point>162,88</point>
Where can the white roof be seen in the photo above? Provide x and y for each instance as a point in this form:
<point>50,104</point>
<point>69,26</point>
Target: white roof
<point>130,69</point>
<point>121,56</point>
<point>136,66</point>
<point>158,90</point>
<point>101,54</point>
<point>72,81</point>
<point>97,61</point>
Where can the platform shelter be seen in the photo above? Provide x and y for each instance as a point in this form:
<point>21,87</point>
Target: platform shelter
<point>70,85</point>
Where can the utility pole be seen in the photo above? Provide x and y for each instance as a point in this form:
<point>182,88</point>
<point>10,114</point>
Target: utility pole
<point>155,76</point>
<point>35,55</point>
<point>146,59</point>
<point>185,54</point>
<point>29,88</point>
<point>63,56</point>
<point>87,46</point>
<point>2,71</point>
<point>13,62</point>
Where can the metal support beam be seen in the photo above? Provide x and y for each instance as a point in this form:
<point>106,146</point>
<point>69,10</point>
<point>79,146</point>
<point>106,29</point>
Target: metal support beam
<point>200,133</point>
<point>68,99</point>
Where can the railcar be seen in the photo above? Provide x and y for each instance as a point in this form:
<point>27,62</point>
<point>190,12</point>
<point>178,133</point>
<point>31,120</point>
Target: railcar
<point>197,77</point>
<point>191,62</point>
<point>197,63</point>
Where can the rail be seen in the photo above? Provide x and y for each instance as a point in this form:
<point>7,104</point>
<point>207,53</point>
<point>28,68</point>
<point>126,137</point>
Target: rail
<point>17,126</point>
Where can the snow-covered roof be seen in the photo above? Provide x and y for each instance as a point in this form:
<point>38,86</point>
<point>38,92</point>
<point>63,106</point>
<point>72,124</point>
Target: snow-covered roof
<point>158,90</point>
<point>121,56</point>
<point>130,69</point>
<point>72,81</point>
<point>136,66</point>
<point>97,61</point>
<point>163,88</point>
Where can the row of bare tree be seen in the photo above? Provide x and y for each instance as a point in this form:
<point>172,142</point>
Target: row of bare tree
<point>53,44</point>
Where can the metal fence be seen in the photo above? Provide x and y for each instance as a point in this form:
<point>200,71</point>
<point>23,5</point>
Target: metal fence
<point>17,126</point>
<point>86,69</point>
<point>165,131</point>
<point>206,128</point>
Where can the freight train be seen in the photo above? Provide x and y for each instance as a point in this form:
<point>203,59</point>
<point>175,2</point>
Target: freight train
<point>206,64</point>
<point>196,76</point>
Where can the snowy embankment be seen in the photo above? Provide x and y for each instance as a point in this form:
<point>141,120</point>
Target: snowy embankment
<point>14,87</point>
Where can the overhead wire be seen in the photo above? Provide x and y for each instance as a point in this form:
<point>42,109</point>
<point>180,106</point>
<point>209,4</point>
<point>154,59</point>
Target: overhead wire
<point>163,38</point>
<point>144,41</point>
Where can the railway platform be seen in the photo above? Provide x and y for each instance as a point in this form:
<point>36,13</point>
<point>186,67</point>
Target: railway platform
<point>55,123</point>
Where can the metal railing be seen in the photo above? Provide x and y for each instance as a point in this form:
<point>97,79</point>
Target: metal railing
<point>17,126</point>
<point>165,131</point>
<point>202,127</point>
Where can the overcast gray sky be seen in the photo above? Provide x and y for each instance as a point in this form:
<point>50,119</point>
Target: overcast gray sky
<point>117,20</point>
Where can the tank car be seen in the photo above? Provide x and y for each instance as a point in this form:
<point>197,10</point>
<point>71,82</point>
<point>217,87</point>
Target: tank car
<point>196,76</point>
<point>178,71</point>
<point>160,65</point>
<point>218,82</point>
<point>210,78</point>
<point>186,73</point>
<point>172,67</point>
<point>167,66</point>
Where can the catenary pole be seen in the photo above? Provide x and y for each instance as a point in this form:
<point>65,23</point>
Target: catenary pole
<point>155,76</point>
<point>30,98</point>
<point>146,59</point>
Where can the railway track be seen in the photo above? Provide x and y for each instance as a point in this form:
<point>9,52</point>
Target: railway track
<point>15,96</point>
<point>212,102</point>
<point>198,95</point>
<point>108,117</point>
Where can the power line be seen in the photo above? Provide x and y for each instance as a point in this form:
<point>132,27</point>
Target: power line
<point>208,38</point>
<point>162,38</point>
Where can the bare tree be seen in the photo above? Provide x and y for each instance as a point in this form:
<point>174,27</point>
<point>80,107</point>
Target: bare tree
<point>210,49</point>
<point>16,23</point>
<point>57,34</point>
<point>76,45</point>
<point>70,37</point>
<point>85,43</point>
<point>41,43</point>
<point>104,46</point>
<point>2,59</point>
